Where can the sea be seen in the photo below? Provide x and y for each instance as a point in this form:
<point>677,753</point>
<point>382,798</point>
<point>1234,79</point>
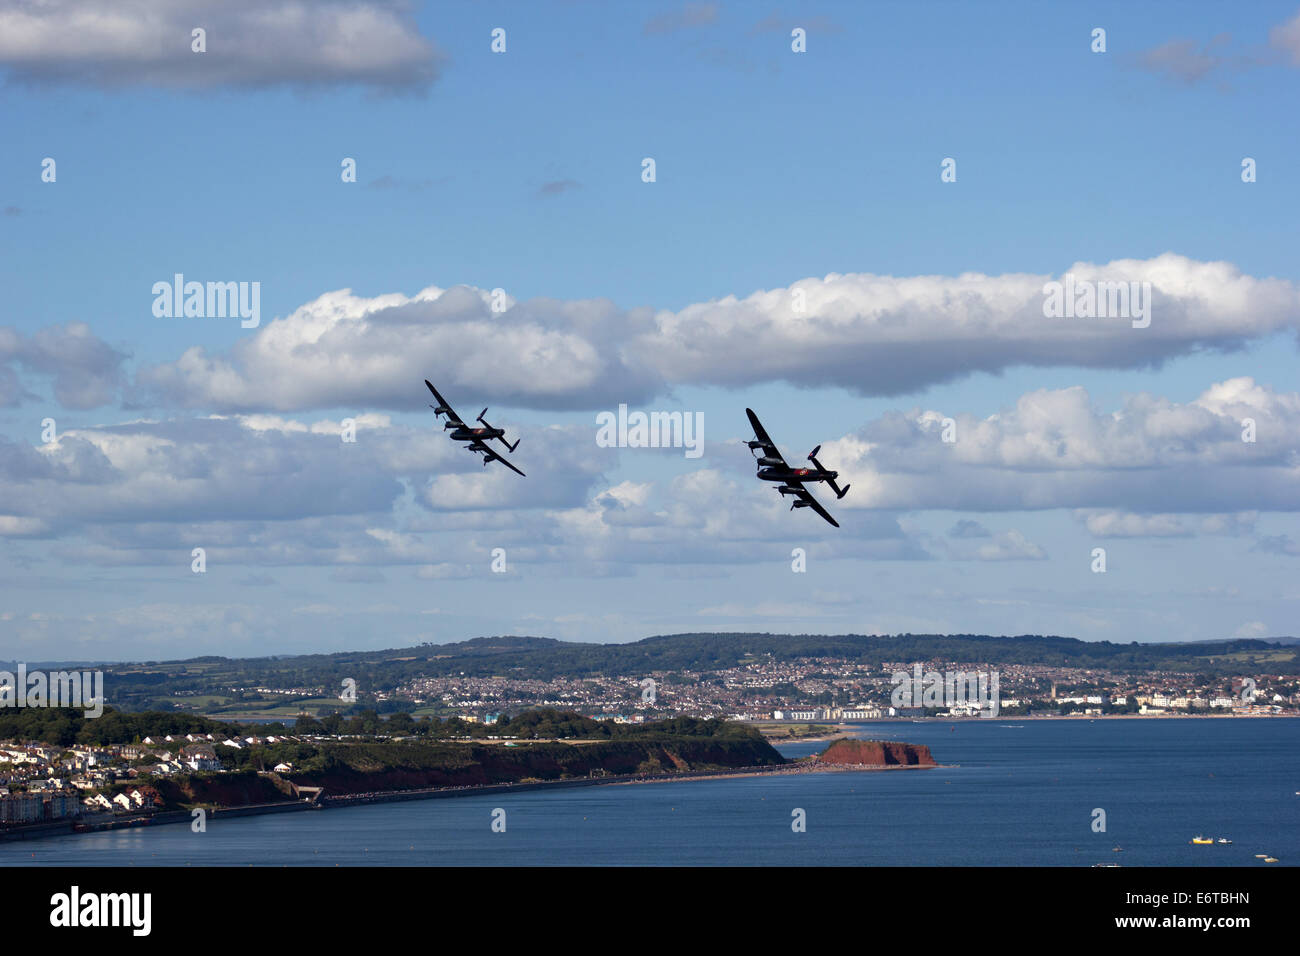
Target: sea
<point>1010,793</point>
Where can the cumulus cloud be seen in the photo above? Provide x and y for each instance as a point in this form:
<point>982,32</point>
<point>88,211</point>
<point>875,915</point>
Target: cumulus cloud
<point>269,489</point>
<point>85,370</point>
<point>966,528</point>
<point>873,335</point>
<point>342,349</point>
<point>264,468</point>
<point>707,517</point>
<point>172,471</point>
<point>1053,449</point>
<point>1009,545</point>
<point>883,335</point>
<point>1118,524</point>
<point>249,43</point>
<point>14,526</point>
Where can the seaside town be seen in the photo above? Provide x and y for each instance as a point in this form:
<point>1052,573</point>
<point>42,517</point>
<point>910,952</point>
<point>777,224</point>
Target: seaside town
<point>834,689</point>
<point>39,782</point>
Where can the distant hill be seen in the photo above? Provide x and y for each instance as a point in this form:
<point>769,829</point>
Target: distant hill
<point>1286,641</point>
<point>546,658</point>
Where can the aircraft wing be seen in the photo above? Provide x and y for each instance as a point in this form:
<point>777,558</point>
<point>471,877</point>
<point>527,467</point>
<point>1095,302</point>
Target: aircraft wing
<point>761,435</point>
<point>508,465</point>
<point>490,455</point>
<point>815,505</point>
<point>451,415</point>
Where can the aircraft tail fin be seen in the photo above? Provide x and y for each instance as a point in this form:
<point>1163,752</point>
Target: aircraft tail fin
<point>839,492</point>
<point>501,438</point>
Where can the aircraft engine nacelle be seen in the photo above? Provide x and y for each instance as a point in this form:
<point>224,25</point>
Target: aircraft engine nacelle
<point>766,462</point>
<point>800,504</point>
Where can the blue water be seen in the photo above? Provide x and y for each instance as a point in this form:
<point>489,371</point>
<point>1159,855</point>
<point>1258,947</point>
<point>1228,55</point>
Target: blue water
<point>1023,794</point>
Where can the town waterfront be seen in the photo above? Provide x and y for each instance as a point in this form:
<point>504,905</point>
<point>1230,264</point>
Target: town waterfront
<point>1012,793</point>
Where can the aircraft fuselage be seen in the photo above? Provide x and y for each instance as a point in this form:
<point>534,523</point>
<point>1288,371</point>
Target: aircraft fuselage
<point>477,434</point>
<point>794,476</point>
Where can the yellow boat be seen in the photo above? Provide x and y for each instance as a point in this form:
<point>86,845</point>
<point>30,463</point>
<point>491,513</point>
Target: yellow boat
<point>1200,840</point>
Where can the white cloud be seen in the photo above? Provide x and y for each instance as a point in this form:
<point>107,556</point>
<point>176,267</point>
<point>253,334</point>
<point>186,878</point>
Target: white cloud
<point>86,371</point>
<point>1010,546</point>
<point>1053,449</point>
<point>343,350</point>
<point>15,526</point>
<point>884,335</point>
<point>1118,524</point>
<point>250,43</point>
<point>874,335</point>
<point>268,490</point>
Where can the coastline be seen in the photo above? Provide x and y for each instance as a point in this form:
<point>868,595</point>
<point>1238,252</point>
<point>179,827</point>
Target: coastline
<point>343,801</point>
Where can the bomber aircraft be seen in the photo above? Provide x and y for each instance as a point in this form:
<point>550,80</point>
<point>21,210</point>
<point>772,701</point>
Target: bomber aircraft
<point>477,437</point>
<point>772,467</point>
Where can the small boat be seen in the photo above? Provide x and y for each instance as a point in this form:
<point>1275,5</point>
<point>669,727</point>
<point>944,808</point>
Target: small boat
<point>1117,849</point>
<point>1270,859</point>
<point>1224,840</point>
<point>1202,841</point>
<point>1261,856</point>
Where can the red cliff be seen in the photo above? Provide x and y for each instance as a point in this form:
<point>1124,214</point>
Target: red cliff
<point>876,753</point>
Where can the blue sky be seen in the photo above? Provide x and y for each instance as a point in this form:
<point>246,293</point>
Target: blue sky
<point>522,171</point>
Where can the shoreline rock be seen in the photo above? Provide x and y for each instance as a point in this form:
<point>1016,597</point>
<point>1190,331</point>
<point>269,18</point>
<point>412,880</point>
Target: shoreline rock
<point>876,753</point>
